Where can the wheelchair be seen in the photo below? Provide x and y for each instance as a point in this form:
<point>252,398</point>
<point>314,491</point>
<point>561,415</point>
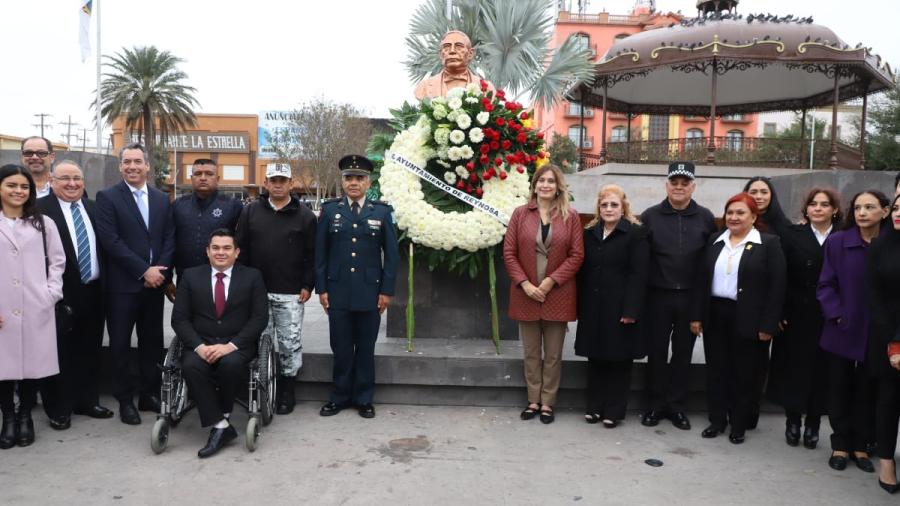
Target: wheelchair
<point>175,399</point>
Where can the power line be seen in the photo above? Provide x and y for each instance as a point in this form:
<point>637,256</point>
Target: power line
<point>42,115</point>
<point>69,124</point>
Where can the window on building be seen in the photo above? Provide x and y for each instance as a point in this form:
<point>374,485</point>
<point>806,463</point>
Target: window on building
<point>622,36</point>
<point>770,129</point>
<point>734,139</point>
<point>659,127</point>
<point>733,117</point>
<point>574,135</point>
<point>693,138</point>
<point>575,110</point>
<point>619,134</point>
<point>582,40</point>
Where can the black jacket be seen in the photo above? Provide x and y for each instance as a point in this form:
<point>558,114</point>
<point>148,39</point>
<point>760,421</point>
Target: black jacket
<point>246,309</point>
<point>677,239</point>
<point>612,283</point>
<point>281,244</point>
<point>762,276</point>
<point>883,299</point>
<point>195,220</point>
<point>50,207</point>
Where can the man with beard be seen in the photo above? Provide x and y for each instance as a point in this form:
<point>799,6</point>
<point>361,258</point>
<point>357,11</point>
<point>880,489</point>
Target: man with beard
<point>38,157</point>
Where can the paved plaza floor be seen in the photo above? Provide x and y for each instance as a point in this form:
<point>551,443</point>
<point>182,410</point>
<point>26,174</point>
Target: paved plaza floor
<point>423,455</point>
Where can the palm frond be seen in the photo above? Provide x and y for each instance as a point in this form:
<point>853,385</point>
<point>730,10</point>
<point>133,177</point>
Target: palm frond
<point>568,64</point>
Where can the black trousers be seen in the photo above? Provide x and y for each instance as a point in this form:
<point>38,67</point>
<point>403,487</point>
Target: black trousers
<point>76,385</point>
<point>353,335</point>
<point>214,386</point>
<point>851,405</point>
<point>667,317</point>
<point>887,415</point>
<point>28,389</point>
<point>607,388</point>
<point>124,313</point>
<point>732,366</point>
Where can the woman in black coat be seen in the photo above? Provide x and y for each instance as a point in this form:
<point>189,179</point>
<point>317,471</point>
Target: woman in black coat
<point>612,282</point>
<point>799,374</point>
<point>737,306</point>
<point>883,298</point>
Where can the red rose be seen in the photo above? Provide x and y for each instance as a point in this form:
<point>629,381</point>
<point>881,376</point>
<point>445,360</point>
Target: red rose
<point>520,169</point>
<point>470,166</point>
<point>484,159</point>
<point>473,177</point>
<point>500,121</point>
<point>495,145</point>
<point>484,85</point>
<point>515,126</point>
<point>506,144</point>
<point>540,135</point>
<point>460,184</point>
<point>524,115</point>
<point>498,161</point>
<point>501,94</point>
<point>479,192</point>
<point>521,138</point>
<point>503,175</point>
<point>540,154</point>
<point>489,107</point>
<point>469,188</point>
<point>484,149</point>
<point>486,176</point>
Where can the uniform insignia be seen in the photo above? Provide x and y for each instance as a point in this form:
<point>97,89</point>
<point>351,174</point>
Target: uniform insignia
<point>375,223</point>
<point>337,216</point>
<point>217,212</point>
<point>749,247</point>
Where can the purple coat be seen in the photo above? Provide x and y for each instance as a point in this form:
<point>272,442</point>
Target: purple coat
<point>27,298</point>
<point>842,296</point>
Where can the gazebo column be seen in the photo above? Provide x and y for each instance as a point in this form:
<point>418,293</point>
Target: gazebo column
<point>628,135</point>
<point>711,147</point>
<point>862,131</point>
<point>603,126</point>
<point>581,132</point>
<point>802,137</point>
<point>833,161</point>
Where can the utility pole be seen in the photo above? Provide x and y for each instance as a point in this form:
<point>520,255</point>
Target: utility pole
<point>42,115</point>
<point>69,124</point>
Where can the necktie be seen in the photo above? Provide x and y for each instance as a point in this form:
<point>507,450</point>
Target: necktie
<point>82,244</point>
<point>355,207</point>
<point>219,295</point>
<point>145,213</point>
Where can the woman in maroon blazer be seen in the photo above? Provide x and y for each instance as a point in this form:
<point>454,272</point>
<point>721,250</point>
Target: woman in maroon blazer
<point>543,250</point>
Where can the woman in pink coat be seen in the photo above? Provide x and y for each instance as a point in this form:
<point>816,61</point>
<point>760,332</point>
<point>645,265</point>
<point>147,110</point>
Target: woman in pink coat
<point>30,286</point>
<point>542,250</point>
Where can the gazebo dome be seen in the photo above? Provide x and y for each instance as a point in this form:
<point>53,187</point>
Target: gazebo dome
<point>709,6</point>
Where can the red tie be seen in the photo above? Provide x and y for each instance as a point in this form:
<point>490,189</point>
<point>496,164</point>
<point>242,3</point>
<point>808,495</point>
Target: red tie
<point>219,295</point>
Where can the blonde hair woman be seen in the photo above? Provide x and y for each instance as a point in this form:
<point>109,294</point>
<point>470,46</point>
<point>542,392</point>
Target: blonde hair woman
<point>542,252</point>
<point>611,287</point>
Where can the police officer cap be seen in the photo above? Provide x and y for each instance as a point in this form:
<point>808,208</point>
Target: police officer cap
<point>682,169</point>
<point>355,165</point>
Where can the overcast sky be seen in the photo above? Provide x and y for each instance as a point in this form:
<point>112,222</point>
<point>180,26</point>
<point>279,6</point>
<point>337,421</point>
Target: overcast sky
<point>247,56</point>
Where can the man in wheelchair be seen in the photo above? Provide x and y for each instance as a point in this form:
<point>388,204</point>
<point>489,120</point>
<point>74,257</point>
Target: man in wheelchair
<point>220,311</point>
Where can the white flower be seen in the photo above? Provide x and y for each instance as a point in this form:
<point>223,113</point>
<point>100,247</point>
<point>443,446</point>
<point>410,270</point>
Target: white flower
<point>450,177</point>
<point>441,136</point>
<point>442,152</point>
<point>440,112</point>
<point>473,88</point>
<point>452,115</point>
<point>466,152</point>
<point>476,135</point>
<point>438,101</point>
<point>483,117</point>
<point>454,103</point>
<point>461,171</point>
<point>472,100</point>
<point>455,93</point>
<point>463,120</point>
<point>454,153</point>
<point>457,137</point>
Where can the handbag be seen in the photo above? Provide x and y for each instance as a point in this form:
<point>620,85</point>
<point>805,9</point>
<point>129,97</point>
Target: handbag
<point>64,314</point>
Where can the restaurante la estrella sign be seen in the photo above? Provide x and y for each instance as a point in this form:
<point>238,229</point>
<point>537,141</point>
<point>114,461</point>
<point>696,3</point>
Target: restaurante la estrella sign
<point>204,142</point>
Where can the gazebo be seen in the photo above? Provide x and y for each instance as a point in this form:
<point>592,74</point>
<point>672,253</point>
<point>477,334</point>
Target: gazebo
<point>724,63</point>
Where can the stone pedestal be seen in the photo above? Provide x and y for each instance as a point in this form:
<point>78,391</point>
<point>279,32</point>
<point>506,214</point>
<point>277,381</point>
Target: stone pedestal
<point>450,305</point>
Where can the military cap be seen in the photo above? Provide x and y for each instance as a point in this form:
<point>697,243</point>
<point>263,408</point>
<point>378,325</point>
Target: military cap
<point>355,165</point>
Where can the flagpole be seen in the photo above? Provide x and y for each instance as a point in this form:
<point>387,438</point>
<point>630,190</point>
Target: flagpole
<point>99,53</point>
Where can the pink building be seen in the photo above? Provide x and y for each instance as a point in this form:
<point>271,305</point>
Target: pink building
<point>598,32</point>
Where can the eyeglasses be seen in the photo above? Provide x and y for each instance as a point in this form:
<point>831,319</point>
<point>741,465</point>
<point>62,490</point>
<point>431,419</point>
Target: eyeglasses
<point>70,179</point>
<point>40,154</point>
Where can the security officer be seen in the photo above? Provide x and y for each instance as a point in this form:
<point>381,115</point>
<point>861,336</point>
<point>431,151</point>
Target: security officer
<point>356,265</point>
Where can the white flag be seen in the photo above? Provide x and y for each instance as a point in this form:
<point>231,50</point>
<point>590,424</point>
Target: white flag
<point>84,29</point>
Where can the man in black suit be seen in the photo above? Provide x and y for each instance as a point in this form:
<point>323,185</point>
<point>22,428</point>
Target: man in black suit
<point>134,225</point>
<point>75,388</point>
<point>220,311</point>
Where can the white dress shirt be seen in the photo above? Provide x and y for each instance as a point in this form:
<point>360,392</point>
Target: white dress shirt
<point>92,238</point>
<point>43,192</point>
<point>725,274</point>
<point>225,281</point>
<point>820,236</point>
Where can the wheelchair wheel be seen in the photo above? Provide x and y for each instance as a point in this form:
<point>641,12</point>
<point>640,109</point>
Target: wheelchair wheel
<point>177,395</point>
<point>268,374</point>
<point>252,433</point>
<point>179,403</point>
<point>159,438</point>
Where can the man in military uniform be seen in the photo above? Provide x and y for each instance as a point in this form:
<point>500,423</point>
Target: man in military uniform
<point>356,266</point>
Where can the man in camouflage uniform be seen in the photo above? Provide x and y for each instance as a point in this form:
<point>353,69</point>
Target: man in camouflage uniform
<point>276,234</point>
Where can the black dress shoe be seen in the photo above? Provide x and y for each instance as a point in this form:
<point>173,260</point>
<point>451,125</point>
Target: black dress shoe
<point>218,438</point>
<point>888,487</point>
<point>330,409</point>
<point>863,463</point>
<point>366,411</point>
<point>60,422</point>
<point>149,403</point>
<point>792,434</point>
<point>129,414</point>
<point>753,420</point>
<point>95,411</point>
<point>285,399</point>
<point>712,431</point>
<point>25,428</point>
<point>837,462</point>
<point>9,434</point>
<point>680,421</point>
<point>610,424</point>
<point>736,438</point>
<point>810,438</point>
<point>651,418</point>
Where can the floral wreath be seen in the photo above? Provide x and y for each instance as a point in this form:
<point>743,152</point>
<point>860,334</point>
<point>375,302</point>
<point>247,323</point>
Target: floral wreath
<point>478,142</point>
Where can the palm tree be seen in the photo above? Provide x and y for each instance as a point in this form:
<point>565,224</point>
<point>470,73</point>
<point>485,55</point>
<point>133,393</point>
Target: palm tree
<point>143,85</point>
<point>512,39</point>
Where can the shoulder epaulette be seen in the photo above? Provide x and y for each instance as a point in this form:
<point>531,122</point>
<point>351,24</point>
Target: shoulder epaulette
<point>380,202</point>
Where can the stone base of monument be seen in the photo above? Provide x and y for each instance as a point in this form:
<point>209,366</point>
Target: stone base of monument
<point>450,306</point>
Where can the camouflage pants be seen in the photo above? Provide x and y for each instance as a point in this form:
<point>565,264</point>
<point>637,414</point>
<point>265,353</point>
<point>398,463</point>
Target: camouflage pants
<point>285,323</point>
